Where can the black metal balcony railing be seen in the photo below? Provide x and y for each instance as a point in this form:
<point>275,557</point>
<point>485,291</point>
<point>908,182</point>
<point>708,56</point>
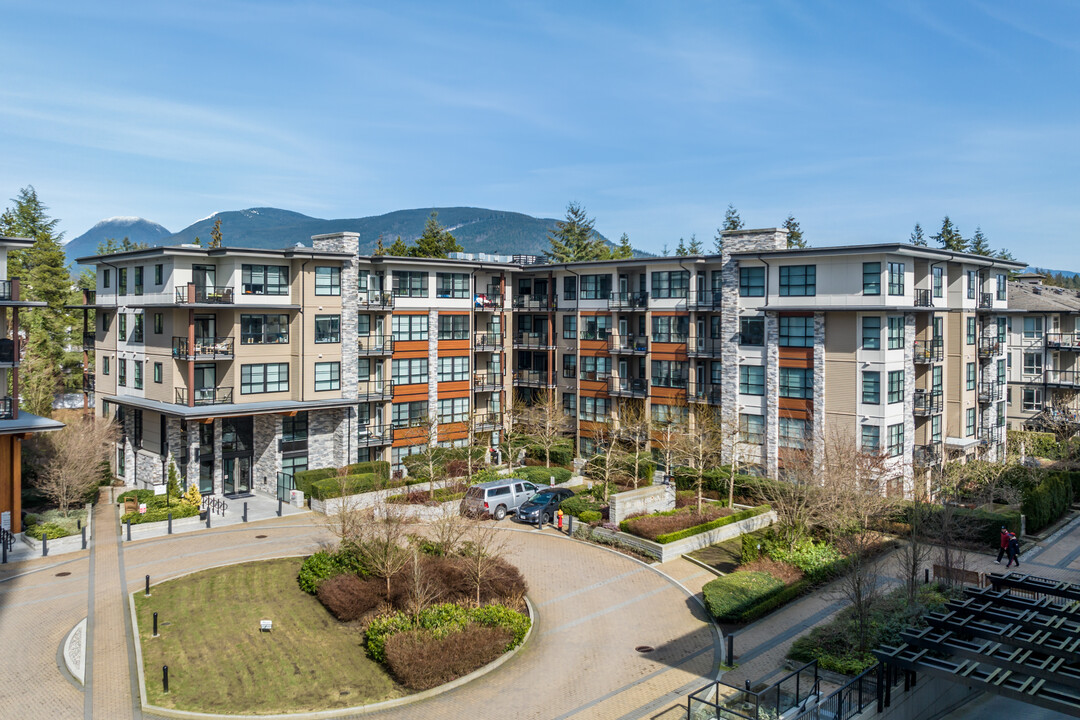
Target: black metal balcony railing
<point>594,375</point>
<point>991,435</point>
<point>628,344</point>
<point>293,445</point>
<point>6,290</point>
<point>628,300</point>
<point>927,455</point>
<point>675,338</point>
<point>372,435</point>
<point>487,381</point>
<point>486,422</point>
<point>1063,341</point>
<point>704,347</point>
<point>88,340</point>
<point>1062,378</point>
<point>376,300</point>
<point>989,391</point>
<point>490,299</point>
<point>986,301</point>
<point>368,390</point>
<point>600,334</point>
<point>928,402</point>
<point>206,396</point>
<point>923,298</point>
<point>929,351</point>
<point>487,341</point>
<point>706,300</point>
<point>628,387</point>
<point>534,302</point>
<point>375,344</point>
<point>7,409</point>
<point>532,341</point>
<point>706,393</point>
<point>534,378</point>
<point>989,346</point>
<point>192,293</point>
<point>209,348</point>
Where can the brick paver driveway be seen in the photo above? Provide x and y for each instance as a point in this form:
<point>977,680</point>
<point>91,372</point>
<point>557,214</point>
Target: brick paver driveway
<point>594,608</point>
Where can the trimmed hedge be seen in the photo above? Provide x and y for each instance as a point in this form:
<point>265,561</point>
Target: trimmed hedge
<point>304,479</point>
<point>442,620</point>
<point>590,516</point>
<point>542,475</point>
<point>719,522</point>
<point>160,513</point>
<point>561,453</point>
<point>580,503</point>
<point>1036,444</point>
<point>1046,502</point>
<point>54,530</point>
<point>727,598</point>
<point>354,485</point>
<point>986,525</point>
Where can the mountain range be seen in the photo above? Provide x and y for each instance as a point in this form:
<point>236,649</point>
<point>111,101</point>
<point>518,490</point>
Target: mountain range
<point>476,229</point>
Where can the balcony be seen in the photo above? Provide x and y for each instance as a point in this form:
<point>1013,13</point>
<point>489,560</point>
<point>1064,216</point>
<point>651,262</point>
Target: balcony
<point>672,338</point>
<point>212,294</point>
<point>488,301</point>
<point>534,302</point>
<point>706,300</point>
<point>374,345</point>
<point>989,346</point>
<point>929,351</point>
<point>628,387</point>
<point>487,381</point>
<point>628,344</point>
<point>88,340</point>
<point>704,347</point>
<point>708,394</point>
<point>1063,341</point>
<point>9,290</point>
<point>927,455</point>
<point>487,342</point>
<point>88,382</point>
<point>596,334</point>
<point>9,351</point>
<point>7,409</point>
<point>534,378</point>
<point>1063,378</point>
<point>986,301</point>
<point>924,298</point>
<point>928,402</point>
<point>628,301</point>
<point>208,348</point>
<point>488,422</point>
<point>373,435</point>
<point>375,390</point>
<point>989,391</point>
<point>376,300</point>
<point>292,446</point>
<point>990,435</point>
<point>593,376</point>
<point>206,396</point>
<point>532,341</point>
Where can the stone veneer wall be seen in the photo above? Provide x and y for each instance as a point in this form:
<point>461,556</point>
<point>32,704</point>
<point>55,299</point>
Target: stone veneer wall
<point>772,394</point>
<point>909,404</point>
<point>266,462</point>
<point>350,304</point>
<point>655,498</point>
<point>326,433</point>
<point>818,420</point>
<point>433,365</point>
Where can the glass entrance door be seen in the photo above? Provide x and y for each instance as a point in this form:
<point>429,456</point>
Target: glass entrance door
<point>236,475</point>
<point>205,382</point>
<point>204,276</point>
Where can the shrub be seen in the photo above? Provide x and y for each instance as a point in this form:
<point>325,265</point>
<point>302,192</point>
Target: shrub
<point>1036,444</point>
<point>539,475</point>
<point>719,522</point>
<point>354,485</point>
<point>986,525</point>
<point>143,496</point>
<point>589,516</point>
<point>770,603</point>
<point>54,530</point>
<point>348,597</point>
<point>562,453</point>
<point>818,560</point>
<point>442,620</point>
<point>580,503</point>
<point>751,547</point>
<point>421,661</point>
<point>728,597</point>
<point>653,526</point>
<point>782,571</point>
<point>305,479</point>
<point>1046,502</point>
<point>158,511</point>
<point>323,565</point>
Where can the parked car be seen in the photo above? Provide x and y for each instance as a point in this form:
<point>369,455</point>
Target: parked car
<point>497,497</point>
<point>542,505</point>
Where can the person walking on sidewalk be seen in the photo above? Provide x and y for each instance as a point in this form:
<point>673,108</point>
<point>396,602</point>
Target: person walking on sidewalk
<point>1013,550</point>
<point>1004,543</point>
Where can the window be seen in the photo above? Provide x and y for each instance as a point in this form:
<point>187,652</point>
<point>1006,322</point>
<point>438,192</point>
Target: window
<point>972,279</point>
<point>969,422</point>
<point>871,439</point>
<point>798,280</point>
<point>569,327</point>
<point>793,433</point>
<point>1001,378</point>
<point>327,328</point>
<point>157,372</point>
<point>669,414</point>
<point>971,331</point>
<point>264,378</point>
<point>266,280</point>
<point>896,386</point>
<point>752,428</point>
<point>453,410</point>
<point>453,369</point>
<point>328,281</point>
<point>137,376</point>
<point>896,332</point>
<point>137,330</point>
<point>159,324</point>
<point>298,463</point>
<point>871,278</point>
<point>569,366</point>
<point>716,372</point>
<point>871,332</point>
<point>896,439</point>
<point>1033,328</point>
<point>1001,285</point>
<point>970,369</point>
<point>937,281</point>
<point>673,284</point>
<point>595,368</point>
<point>871,387</point>
<point>264,329</point>
<point>716,327</point>
<point>121,331</point>
<point>121,281</point>
<point>595,409</point>
<point>410,372</point>
<point>453,327</point>
<point>670,328</point>
<point>752,282</point>
<point>451,285</point>
<point>570,289</point>
<point>1002,329</point>
<point>751,331</point>
<point>596,287</point>
<point>139,280</point>
<point>796,331</point>
<point>569,404</point>
<point>935,429</point>
<point>1033,363</point>
<point>410,414</point>
<point>410,327</point>
<point>1031,400</point>
<point>596,327</point>
<point>669,373</point>
<point>327,376</point>
<point>751,379</point>
<point>896,278</point>
<point>105,277</point>
<point>936,377</point>
<point>410,283</point>
<point>105,365</point>
<point>797,383</point>
<point>159,274</point>
<point>121,375</point>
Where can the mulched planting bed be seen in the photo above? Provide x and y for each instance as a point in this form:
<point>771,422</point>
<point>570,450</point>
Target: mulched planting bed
<point>652,526</point>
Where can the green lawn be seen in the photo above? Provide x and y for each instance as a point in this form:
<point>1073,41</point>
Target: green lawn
<point>219,661</point>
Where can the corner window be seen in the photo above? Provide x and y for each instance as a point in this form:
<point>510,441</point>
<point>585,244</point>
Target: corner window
<point>896,332</point>
<point>896,386</point>
<point>896,440</point>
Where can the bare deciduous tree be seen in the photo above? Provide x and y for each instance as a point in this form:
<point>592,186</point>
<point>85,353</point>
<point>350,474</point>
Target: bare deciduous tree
<point>448,530</point>
<point>517,437</point>
<point>486,545</point>
<point>634,430</point>
<point>422,589</point>
<point>344,522</point>
<point>380,542</point>
<point>609,455</point>
<point>917,550</point>
<point>547,423</point>
<point>73,455</point>
<point>699,446</point>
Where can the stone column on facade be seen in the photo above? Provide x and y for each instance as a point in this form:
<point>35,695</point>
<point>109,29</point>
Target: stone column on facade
<point>172,437</point>
<point>908,458</point>
<point>729,343</point>
<point>818,418</point>
<point>131,472</point>
<point>192,476</point>
<point>771,450</point>
<point>219,484</point>
<point>266,463</point>
<point>324,438</point>
<point>433,366</point>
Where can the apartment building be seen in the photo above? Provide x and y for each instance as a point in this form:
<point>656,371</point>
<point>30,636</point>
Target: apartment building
<point>902,347</point>
<point>15,424</point>
<point>1044,344</point>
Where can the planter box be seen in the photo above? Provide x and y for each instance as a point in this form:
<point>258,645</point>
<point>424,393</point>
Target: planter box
<point>424,513</point>
<point>672,550</point>
<point>70,543</point>
<point>369,499</point>
<point>649,499</point>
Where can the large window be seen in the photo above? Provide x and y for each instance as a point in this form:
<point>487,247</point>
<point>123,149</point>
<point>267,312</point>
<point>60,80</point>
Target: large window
<point>327,328</point>
<point>896,332</point>
<point>793,433</point>
<point>264,329</point>
<point>669,373</point>
<point>595,287</point>
<point>871,278</point>
<point>410,283</point>
<point>1001,378</point>
<point>596,327</point>
<point>410,414</point>
<point>969,422</point>
<point>453,410</point>
<point>896,386</point>
<point>669,414</point>
<point>264,279</point>
<point>570,289</point>
<point>1033,363</point>
<point>1033,328</point>
<point>798,280</point>
<point>264,378</point>
<point>569,327</point>
<point>1002,283</point>
<point>121,371</point>
<point>751,379</point>
<point>970,330</point>
<point>410,372</point>
<point>871,439</point>
<point>796,331</point>
<point>595,409</point>
<point>970,370</point>
<point>139,280</point>
<point>451,285</point>
<point>137,376</point>
<point>896,440</point>
<point>871,387</point>
<point>121,281</point>
<point>673,284</point>
<point>453,369</point>
<point>410,327</point>
<point>752,282</point>
<point>595,368</point>
<point>797,383</point>
<point>937,281</point>
<point>453,327</point>
<point>751,428</point>
<point>569,404</point>
<point>871,332</point>
<point>569,365</point>
<point>896,278</point>
<point>327,376</point>
<point>972,281</point>
<point>751,331</point>
<point>670,328</point>
<point>327,280</point>
<point>1031,399</point>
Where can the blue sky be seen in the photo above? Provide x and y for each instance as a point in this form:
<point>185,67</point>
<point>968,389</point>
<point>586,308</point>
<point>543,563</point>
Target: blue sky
<point>861,118</point>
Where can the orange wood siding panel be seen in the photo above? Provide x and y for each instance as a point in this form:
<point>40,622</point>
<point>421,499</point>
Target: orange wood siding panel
<point>796,357</point>
<point>452,348</point>
<point>410,349</point>
<point>795,408</point>
<point>593,348</point>
<point>408,393</point>
<point>665,393</point>
<point>449,390</point>
<point>667,351</point>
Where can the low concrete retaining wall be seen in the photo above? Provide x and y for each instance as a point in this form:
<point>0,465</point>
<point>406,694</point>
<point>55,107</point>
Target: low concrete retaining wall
<point>369,499</point>
<point>654,498</point>
<point>71,543</point>
<point>672,550</point>
<point>424,513</point>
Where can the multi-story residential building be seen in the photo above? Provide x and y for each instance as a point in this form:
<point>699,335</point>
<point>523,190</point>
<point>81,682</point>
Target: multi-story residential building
<point>902,347</point>
<point>15,424</point>
<point>1044,346</point>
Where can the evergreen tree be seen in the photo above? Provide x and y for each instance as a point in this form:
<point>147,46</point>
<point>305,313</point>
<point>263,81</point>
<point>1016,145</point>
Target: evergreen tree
<point>795,236</point>
<point>695,248</point>
<point>680,249</point>
<point>949,237</point>
<point>732,221</point>
<point>215,234</point>
<point>398,248</point>
<point>379,249</point>
<point>435,241</point>
<point>110,246</point>
<point>917,237</point>
<point>573,239</point>
<point>1004,254</point>
<point>665,252</point>
<point>623,251</point>
<point>979,244</point>
<point>40,368</point>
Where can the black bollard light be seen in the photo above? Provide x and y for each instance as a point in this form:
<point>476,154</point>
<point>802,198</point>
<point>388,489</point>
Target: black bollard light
<point>155,624</point>
<point>569,524</point>
<point>279,507</point>
<point>731,651</point>
<point>245,511</point>
<point>170,523</point>
<point>129,530</point>
<point>84,538</point>
<point>44,544</point>
<point>4,551</point>
<point>78,524</point>
<point>147,586</point>
<point>208,516</point>
<point>926,576</point>
<point>165,678</point>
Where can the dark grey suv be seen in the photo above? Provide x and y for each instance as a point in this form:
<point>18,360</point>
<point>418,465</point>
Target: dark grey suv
<point>543,505</point>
